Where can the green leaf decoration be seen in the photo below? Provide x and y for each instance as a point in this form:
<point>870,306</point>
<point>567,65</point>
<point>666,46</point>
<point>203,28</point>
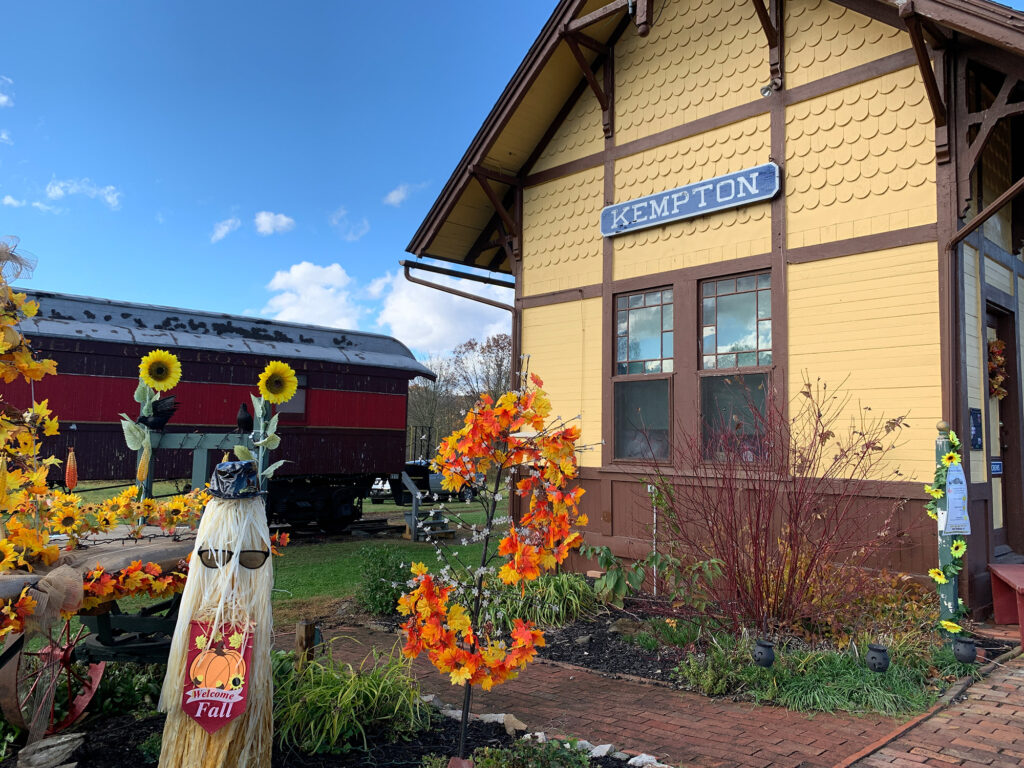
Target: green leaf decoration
<point>135,435</point>
<point>269,471</point>
<point>270,442</point>
<point>272,426</point>
<point>142,392</point>
<point>243,453</point>
<point>257,408</point>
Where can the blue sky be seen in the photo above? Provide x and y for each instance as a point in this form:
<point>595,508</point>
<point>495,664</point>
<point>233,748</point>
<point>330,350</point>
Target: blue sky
<point>249,157</point>
<point>185,154</point>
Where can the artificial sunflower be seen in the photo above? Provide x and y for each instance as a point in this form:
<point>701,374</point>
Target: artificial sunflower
<point>950,458</point>
<point>10,558</point>
<point>938,576</point>
<point>160,370</point>
<point>951,626</point>
<point>65,519</point>
<point>278,382</point>
<point>958,548</point>
<point>935,493</point>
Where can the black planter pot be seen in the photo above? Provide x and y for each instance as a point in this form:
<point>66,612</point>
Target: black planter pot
<point>964,650</point>
<point>877,657</point>
<point>764,653</point>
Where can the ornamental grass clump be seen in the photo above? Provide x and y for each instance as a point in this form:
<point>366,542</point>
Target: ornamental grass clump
<point>790,508</point>
<point>510,442</point>
<point>329,707</point>
<point>553,600</point>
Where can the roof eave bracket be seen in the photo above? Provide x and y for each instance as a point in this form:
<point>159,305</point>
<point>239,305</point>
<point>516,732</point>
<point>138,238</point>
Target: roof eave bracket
<point>510,228</point>
<point>602,91</point>
<point>931,85</point>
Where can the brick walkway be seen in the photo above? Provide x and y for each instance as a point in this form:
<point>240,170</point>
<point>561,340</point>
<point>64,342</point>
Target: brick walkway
<point>985,731</point>
<point>679,728</point>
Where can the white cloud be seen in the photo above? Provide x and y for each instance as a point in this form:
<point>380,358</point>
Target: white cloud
<point>433,322</point>
<point>223,228</point>
<point>5,137</point>
<point>44,207</point>
<point>56,190</point>
<point>6,100</point>
<point>309,293</point>
<point>349,231</point>
<point>397,195</point>
<point>400,194</point>
<point>268,223</point>
<point>8,200</point>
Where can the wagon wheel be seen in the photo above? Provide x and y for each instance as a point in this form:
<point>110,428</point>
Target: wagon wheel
<point>43,690</point>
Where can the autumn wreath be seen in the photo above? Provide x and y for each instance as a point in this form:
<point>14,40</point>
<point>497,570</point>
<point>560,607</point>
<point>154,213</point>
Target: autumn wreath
<point>997,369</point>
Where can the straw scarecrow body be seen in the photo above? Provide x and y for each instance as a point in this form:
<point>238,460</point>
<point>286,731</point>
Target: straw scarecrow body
<point>225,609</point>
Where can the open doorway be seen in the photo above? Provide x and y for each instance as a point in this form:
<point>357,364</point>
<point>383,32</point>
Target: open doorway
<point>1003,437</point>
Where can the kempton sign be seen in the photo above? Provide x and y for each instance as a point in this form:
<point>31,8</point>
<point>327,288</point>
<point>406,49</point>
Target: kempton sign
<point>718,194</point>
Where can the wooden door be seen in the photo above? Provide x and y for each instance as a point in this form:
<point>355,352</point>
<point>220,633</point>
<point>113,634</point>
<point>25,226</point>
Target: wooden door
<point>1002,435</point>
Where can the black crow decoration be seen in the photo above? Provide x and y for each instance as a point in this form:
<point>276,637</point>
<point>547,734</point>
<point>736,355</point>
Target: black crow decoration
<point>244,420</point>
<point>163,409</point>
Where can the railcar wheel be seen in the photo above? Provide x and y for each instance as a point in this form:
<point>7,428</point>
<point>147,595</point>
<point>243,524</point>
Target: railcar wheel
<point>44,690</point>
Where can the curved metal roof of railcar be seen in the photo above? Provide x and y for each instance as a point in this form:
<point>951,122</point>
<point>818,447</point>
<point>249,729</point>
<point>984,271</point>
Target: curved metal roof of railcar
<point>81,317</point>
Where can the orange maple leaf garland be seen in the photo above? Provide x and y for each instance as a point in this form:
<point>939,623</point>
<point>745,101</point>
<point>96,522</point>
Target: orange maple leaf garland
<point>510,435</point>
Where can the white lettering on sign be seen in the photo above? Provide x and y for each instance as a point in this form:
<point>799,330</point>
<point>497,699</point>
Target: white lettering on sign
<point>720,193</point>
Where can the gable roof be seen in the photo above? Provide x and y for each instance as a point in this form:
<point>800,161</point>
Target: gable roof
<point>460,224</point>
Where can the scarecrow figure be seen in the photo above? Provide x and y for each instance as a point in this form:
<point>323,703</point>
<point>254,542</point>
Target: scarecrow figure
<point>218,692</point>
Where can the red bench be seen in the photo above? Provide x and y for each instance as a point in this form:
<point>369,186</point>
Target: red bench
<point>1008,595</point>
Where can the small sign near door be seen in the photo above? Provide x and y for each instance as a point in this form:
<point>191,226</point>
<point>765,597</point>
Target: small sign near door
<point>996,467</point>
<point>976,438</point>
<point>956,519</point>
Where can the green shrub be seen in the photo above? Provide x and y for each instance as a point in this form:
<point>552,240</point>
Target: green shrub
<point>524,754</point>
<point>381,569</point>
<point>645,640</point>
<point>719,671</point>
<point>332,707</point>
<point>129,688</point>
<point>150,748</point>
<point>677,632</point>
<point>822,681</point>
<point>8,737</point>
<point>553,600</point>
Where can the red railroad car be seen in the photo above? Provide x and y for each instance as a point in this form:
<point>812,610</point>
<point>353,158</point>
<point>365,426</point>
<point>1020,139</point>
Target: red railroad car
<point>345,425</point>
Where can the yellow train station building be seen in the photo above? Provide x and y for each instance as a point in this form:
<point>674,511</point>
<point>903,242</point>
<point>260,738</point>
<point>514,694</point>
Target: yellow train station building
<point>683,190</point>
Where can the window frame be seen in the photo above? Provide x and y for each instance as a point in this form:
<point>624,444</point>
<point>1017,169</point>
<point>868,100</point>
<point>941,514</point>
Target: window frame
<point>706,373</point>
<point>669,376</point>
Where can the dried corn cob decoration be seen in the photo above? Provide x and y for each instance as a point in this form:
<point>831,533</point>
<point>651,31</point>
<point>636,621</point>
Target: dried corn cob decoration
<point>71,471</point>
<point>143,471</point>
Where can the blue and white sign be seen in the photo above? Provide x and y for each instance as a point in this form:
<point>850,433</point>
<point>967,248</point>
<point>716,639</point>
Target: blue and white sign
<point>996,466</point>
<point>956,520</point>
<point>718,194</point>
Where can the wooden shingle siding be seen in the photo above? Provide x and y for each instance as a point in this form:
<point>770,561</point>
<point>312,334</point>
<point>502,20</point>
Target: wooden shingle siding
<point>579,135</point>
<point>998,276</point>
<point>873,321</point>
<point>977,380</point>
<point>562,233</point>
<point>699,59</point>
<point>860,161</point>
<point>823,39</point>
<point>564,342</point>
<point>715,237</point>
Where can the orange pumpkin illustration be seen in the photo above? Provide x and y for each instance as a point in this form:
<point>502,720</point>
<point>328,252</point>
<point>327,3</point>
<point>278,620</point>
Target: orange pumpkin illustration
<point>218,668</point>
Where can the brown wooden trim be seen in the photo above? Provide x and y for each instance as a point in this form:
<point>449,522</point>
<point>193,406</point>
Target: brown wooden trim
<point>924,63</point>
<point>925,233</point>
<point>884,66</point>
<point>595,16</point>
<point>874,10</point>
<point>771,33</point>
<point>989,211</point>
<point>560,297</point>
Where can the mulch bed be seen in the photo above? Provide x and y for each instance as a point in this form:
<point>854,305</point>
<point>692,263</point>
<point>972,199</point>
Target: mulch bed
<point>114,743</point>
<point>603,644</point>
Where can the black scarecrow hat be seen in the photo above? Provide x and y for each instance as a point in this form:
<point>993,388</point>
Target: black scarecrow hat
<point>235,480</point>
